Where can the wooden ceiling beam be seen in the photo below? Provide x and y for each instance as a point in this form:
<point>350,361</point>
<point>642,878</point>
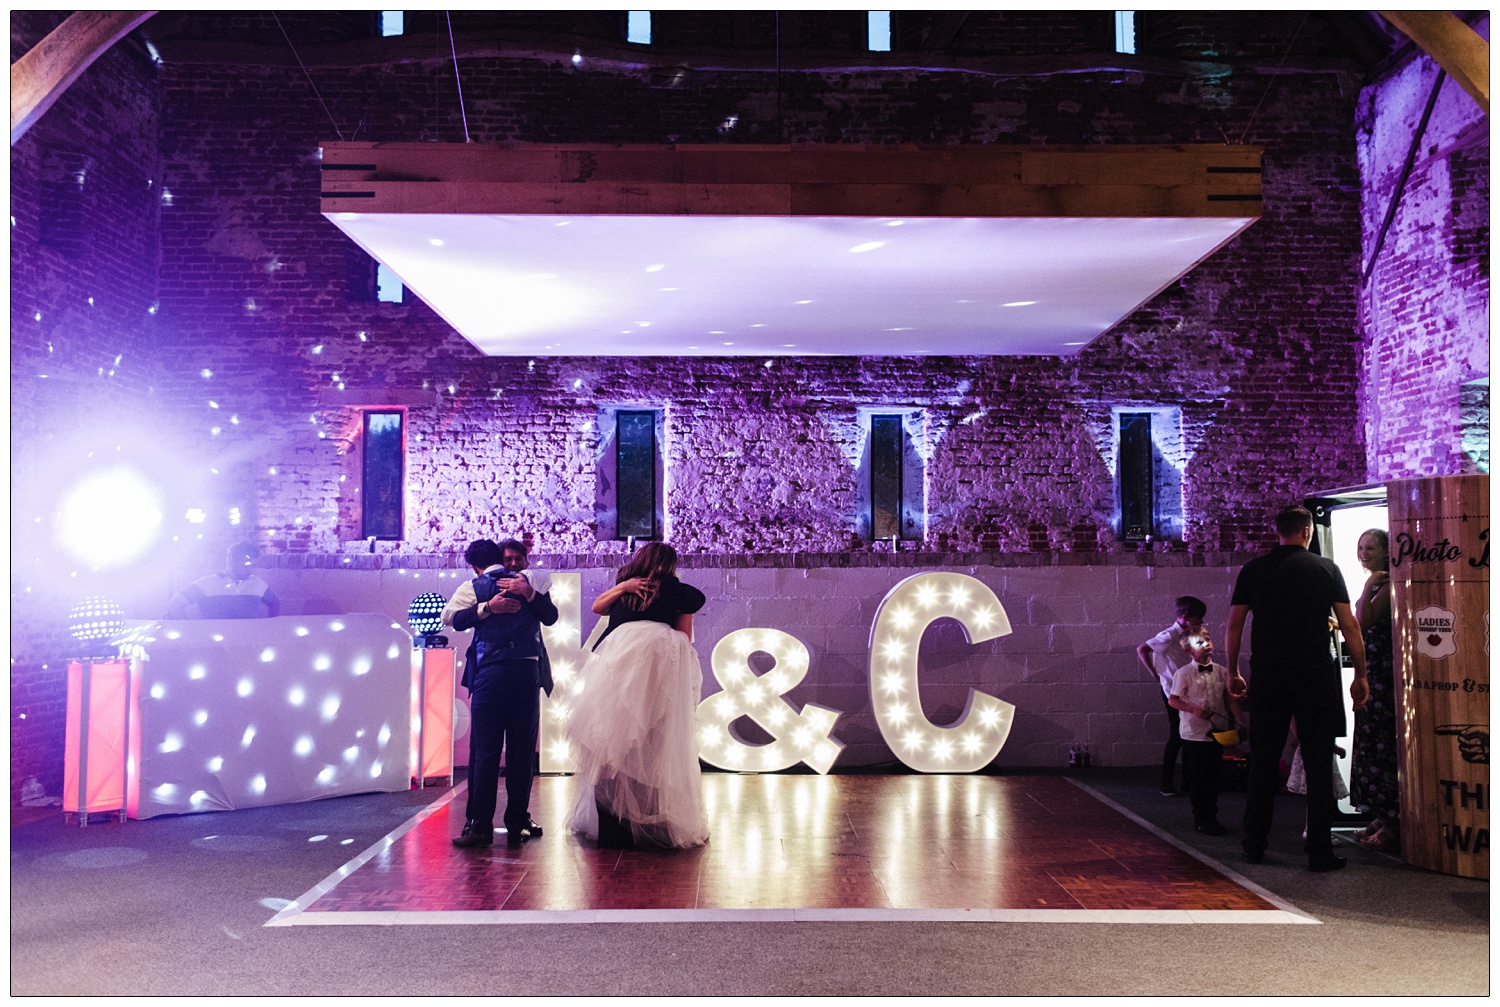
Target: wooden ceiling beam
<point>41,76</point>
<point>1207,180</point>
<point>1453,45</point>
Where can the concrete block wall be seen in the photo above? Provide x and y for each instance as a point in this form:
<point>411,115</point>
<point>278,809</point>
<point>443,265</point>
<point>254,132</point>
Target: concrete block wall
<point>1069,665</point>
<point>1425,311</point>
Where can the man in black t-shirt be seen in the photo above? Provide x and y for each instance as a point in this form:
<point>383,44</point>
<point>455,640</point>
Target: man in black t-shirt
<point>1291,594</point>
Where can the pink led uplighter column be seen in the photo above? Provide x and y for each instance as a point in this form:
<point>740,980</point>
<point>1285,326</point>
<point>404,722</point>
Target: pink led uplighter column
<point>432,721</point>
<point>102,738</point>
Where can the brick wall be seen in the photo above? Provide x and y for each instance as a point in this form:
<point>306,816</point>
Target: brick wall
<point>1424,313</point>
<point>82,348</point>
<point>759,458</point>
<point>252,372</point>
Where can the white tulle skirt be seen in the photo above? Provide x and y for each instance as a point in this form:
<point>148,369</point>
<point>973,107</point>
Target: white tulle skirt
<point>634,730</point>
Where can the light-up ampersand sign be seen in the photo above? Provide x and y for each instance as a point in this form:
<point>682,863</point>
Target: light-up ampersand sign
<point>910,607</point>
<point>798,737</point>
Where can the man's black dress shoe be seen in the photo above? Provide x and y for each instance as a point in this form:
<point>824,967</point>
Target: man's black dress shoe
<point>472,838</point>
<point>1254,856</point>
<point>1326,862</point>
<point>533,828</point>
<point>1213,828</point>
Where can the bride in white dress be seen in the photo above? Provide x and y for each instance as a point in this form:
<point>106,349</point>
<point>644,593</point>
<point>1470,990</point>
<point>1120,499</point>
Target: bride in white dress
<point>634,727</point>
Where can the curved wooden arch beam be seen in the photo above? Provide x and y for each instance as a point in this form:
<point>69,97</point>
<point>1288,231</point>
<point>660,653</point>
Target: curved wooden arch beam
<point>1456,47</point>
<point>40,77</point>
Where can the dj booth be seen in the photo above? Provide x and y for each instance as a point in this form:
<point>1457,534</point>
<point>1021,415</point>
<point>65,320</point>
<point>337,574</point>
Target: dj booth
<point>212,715</point>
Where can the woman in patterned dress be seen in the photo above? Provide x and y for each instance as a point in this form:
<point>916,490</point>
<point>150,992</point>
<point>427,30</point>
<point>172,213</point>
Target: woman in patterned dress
<point>1373,779</point>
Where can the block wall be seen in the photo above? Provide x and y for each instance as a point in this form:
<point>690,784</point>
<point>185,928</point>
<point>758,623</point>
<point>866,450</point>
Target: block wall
<point>1069,666</point>
<point>1424,312</point>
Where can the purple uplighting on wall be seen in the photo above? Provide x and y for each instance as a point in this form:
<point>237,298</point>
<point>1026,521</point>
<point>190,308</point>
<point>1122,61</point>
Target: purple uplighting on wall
<point>1425,306</point>
<point>176,292</point>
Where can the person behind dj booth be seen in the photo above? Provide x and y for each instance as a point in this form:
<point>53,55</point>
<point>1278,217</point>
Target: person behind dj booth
<point>505,666</point>
<point>234,594</point>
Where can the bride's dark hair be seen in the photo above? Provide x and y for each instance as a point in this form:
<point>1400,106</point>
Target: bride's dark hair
<point>655,561</point>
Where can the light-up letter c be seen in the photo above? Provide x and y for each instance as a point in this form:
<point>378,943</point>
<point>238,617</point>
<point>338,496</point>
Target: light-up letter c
<point>910,607</point>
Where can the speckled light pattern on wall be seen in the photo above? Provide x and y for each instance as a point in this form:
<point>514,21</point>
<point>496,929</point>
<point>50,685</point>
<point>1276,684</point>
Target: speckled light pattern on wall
<point>222,305</point>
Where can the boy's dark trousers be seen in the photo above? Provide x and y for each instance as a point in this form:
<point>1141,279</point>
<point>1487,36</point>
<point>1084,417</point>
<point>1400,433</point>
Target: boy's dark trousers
<point>1204,761</point>
<point>1174,746</point>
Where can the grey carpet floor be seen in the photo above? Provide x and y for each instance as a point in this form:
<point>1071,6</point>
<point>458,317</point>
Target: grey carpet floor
<point>176,906</point>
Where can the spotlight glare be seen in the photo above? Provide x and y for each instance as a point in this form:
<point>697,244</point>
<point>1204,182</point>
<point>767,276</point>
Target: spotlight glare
<point>109,517</point>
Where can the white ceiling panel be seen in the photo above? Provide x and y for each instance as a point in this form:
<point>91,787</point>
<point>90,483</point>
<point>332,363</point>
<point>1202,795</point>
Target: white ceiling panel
<point>620,285</point>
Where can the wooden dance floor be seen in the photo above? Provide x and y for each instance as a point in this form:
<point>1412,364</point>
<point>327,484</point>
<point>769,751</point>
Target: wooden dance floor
<point>980,848</point>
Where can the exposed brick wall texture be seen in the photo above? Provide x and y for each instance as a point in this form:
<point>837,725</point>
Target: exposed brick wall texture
<point>758,458</point>
<point>1425,312</point>
<point>254,369</point>
<point>82,345</point>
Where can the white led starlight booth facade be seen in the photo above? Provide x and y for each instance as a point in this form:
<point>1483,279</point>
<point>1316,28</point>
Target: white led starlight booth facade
<point>804,250</point>
<point>240,713</point>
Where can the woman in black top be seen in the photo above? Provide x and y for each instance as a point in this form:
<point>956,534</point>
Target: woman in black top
<point>634,725</point>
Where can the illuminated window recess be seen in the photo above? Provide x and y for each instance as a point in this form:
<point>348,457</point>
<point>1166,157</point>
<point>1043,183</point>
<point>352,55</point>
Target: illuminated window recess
<point>388,286</point>
<point>1125,31</point>
<point>638,27</point>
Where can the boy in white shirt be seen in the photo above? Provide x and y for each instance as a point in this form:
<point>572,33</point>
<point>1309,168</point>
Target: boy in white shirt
<point>1160,656</point>
<point>1200,689</point>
